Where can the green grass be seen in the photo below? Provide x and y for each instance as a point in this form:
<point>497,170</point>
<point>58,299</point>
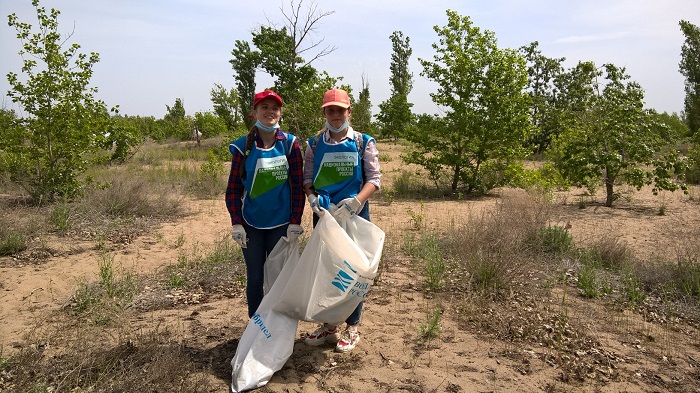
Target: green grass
<point>101,301</point>
<point>431,328</point>
<point>12,241</point>
<point>587,282</point>
<point>554,240</point>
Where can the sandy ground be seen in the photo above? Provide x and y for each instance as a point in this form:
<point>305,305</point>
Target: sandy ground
<point>390,357</point>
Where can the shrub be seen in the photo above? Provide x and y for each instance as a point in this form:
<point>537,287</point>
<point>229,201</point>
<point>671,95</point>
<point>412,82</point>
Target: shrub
<point>12,241</point>
<point>554,240</point>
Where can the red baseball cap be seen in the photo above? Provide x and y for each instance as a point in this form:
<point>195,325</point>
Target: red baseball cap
<point>267,94</point>
<point>338,97</point>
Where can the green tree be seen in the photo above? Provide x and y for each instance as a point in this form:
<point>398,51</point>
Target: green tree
<point>64,122</point>
<point>176,113</point>
<point>210,124</point>
<point>245,62</point>
<point>227,107</point>
<point>482,89</point>
<point>690,68</point>
<point>395,114</point>
<point>123,138</point>
<point>286,54</point>
<point>610,136</point>
<point>306,112</point>
<point>179,126</point>
<point>362,110</point>
<point>545,111</point>
<point>673,127</point>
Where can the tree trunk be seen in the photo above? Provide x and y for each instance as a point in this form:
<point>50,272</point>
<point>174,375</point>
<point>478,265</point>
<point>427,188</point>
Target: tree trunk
<point>608,192</point>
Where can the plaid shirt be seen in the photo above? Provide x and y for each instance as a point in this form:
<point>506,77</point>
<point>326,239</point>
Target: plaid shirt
<point>235,191</point>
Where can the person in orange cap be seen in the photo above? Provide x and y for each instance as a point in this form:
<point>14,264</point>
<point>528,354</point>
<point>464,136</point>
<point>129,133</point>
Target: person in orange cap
<point>355,178</point>
<point>264,197</point>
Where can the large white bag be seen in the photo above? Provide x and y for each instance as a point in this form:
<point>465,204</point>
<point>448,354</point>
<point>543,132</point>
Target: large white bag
<point>266,344</point>
<point>268,340</point>
<point>284,252</point>
<point>334,272</point>
<point>324,284</point>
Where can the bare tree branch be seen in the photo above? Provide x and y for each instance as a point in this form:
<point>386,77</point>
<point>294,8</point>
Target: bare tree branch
<point>301,25</point>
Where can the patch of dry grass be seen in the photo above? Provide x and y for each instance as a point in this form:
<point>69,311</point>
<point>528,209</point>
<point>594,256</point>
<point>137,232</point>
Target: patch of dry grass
<point>65,361</point>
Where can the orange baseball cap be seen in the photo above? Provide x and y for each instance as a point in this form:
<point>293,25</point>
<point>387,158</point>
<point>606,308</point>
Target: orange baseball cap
<point>337,97</point>
<point>267,94</point>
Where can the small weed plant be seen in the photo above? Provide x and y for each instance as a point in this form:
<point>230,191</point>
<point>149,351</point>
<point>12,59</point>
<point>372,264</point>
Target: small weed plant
<point>100,302</point>
<point>434,263</point>
<point>60,217</point>
<point>416,219</point>
<point>12,241</point>
<point>633,288</point>
<point>588,282</point>
<point>554,240</point>
<point>430,329</point>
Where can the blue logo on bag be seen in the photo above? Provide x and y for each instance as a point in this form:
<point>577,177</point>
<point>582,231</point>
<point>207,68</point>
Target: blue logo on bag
<point>342,279</point>
<point>258,321</point>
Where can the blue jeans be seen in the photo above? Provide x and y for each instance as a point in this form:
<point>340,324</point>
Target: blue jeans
<point>354,318</point>
<point>260,244</point>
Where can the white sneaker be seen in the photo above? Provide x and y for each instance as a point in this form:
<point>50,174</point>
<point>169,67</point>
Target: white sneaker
<point>348,339</point>
<point>323,334</point>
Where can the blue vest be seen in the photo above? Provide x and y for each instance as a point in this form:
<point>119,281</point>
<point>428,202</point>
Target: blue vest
<point>267,200</point>
<point>337,169</point>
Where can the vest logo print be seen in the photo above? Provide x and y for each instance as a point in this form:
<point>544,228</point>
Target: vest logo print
<point>342,279</point>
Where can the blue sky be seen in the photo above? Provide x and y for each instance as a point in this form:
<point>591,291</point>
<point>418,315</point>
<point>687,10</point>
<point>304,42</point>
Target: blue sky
<point>153,51</point>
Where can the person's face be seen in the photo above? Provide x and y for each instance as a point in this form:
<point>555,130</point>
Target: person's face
<point>336,115</point>
<point>268,112</point>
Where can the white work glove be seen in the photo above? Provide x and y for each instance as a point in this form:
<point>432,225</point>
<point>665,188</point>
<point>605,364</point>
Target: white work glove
<point>346,208</point>
<point>313,202</point>
<point>293,232</point>
<point>239,235</point>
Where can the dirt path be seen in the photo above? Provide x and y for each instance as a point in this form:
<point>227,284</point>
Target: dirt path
<point>390,358</point>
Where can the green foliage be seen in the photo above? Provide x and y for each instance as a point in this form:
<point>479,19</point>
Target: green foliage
<point>176,113</point>
<point>606,253</point>
<point>175,123</point>
<point>608,132</point>
<point>672,129</point>
<point>191,270</point>
<point>545,113</point>
<point>554,240</point>
<point>545,179</point>
<point>429,252</point>
<point>99,302</point>
<point>227,107</point>
<point>12,241</point>
<point>431,328</point>
<point>209,124</point>
<point>124,138</point>
<point>279,54</point>
<point>692,173</point>
<point>245,62</point>
<point>60,217</point>
<point>47,151</point>
<point>481,88</point>
<point>303,117</point>
<point>688,277</point>
<point>395,114</point>
<point>690,68</point>
<point>362,111</point>
<point>209,182</point>
<point>416,219</point>
<point>587,282</point>
<point>633,288</point>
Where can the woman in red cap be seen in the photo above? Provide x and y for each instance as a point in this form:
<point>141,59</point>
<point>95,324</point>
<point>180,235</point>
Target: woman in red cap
<point>264,197</point>
<point>348,188</point>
